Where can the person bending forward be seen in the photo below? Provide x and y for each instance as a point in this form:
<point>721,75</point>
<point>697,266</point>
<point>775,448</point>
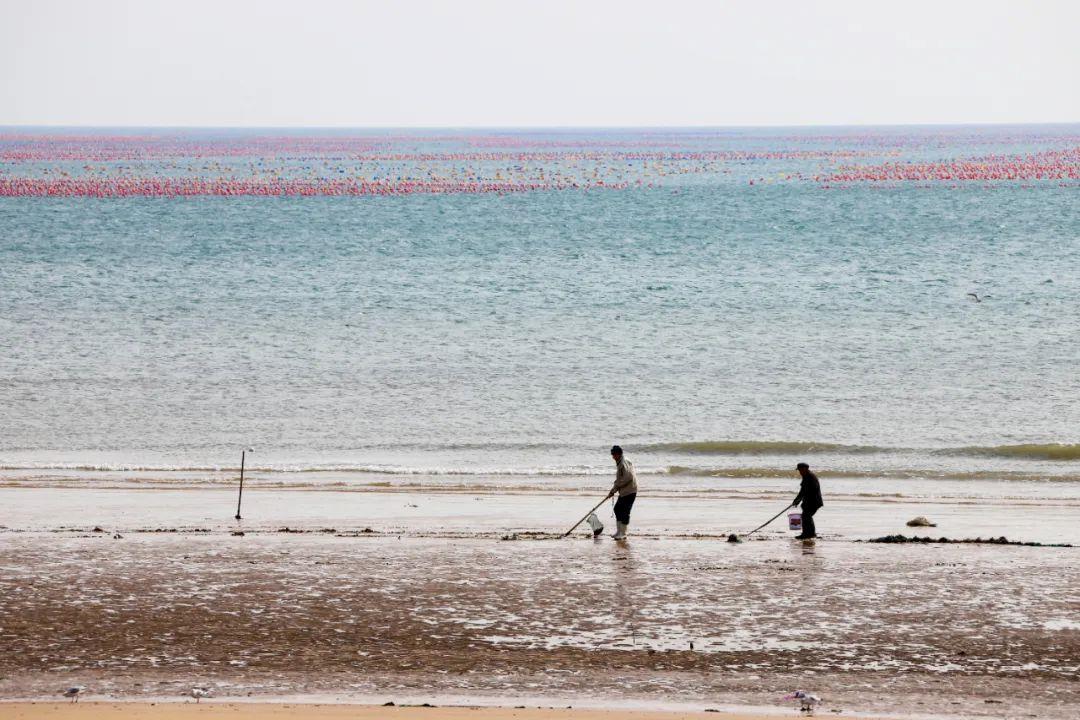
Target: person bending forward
<point>810,497</point>
<point>626,486</point>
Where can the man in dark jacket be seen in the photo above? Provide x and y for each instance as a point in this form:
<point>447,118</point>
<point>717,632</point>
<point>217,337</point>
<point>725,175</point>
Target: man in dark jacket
<point>810,497</point>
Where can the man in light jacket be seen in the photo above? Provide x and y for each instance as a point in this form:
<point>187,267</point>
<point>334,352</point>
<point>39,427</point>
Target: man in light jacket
<point>626,486</point>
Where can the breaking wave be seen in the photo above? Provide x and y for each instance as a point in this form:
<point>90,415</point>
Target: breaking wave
<point>1050,451</point>
<point>1027,451</point>
<point>758,447</point>
<point>768,473</point>
<point>567,470</point>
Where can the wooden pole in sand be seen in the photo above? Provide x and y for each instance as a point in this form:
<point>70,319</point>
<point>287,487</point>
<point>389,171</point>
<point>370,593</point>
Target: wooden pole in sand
<point>240,496</point>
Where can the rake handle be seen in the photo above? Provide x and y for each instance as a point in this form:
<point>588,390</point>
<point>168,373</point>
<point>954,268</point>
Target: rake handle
<point>586,515</point>
<point>786,508</point>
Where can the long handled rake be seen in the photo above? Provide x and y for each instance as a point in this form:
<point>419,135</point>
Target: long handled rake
<point>735,538</point>
<point>586,516</point>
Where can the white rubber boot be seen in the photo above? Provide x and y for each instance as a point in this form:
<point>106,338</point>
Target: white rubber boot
<point>620,533</point>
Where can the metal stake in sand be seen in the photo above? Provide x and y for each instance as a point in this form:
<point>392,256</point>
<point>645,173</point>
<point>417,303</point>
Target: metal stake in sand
<point>586,516</point>
<point>240,497</point>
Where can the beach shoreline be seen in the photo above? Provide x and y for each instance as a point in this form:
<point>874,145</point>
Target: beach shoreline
<point>934,629</point>
<point>439,511</point>
<point>308,710</point>
<point>417,395</point>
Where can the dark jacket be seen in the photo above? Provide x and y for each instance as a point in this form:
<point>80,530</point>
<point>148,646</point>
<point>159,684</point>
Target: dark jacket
<point>809,492</point>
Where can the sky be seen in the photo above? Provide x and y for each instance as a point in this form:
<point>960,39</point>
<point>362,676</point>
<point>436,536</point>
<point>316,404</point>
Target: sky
<point>504,63</point>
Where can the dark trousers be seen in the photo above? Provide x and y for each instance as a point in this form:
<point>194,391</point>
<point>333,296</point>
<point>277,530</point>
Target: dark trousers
<point>622,507</point>
<point>808,529</point>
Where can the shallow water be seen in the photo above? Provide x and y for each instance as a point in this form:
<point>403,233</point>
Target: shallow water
<point>526,333</point>
<point>450,369</point>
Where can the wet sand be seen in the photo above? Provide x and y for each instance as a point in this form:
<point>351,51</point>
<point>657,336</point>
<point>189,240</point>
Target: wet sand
<point>449,512</point>
<point>958,630</point>
<point>301,711</point>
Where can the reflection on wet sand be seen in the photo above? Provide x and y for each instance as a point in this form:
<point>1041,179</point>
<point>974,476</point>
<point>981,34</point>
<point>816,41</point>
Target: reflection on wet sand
<point>287,614</point>
<point>627,587</point>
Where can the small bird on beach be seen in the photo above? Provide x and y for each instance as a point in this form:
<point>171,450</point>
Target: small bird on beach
<point>74,692</point>
<point>201,692</point>
<point>807,701</point>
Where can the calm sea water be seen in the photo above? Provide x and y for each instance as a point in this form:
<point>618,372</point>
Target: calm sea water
<point>710,325</point>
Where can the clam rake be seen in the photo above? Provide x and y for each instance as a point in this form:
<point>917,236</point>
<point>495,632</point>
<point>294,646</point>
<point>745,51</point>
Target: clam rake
<point>736,538</point>
<point>586,517</point>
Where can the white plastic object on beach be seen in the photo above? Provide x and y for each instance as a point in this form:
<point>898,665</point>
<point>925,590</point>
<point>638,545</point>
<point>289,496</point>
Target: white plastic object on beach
<point>794,521</point>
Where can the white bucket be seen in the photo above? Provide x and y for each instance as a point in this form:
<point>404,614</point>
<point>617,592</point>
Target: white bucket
<point>595,524</point>
<point>794,521</point>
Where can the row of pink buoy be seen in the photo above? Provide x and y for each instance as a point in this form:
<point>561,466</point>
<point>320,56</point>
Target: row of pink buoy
<point>154,152</point>
<point>1051,165</point>
<point>877,140</point>
<point>162,165</point>
<point>546,170</point>
<point>600,156</point>
<point>673,141</point>
<point>63,152</point>
<point>187,187</point>
<point>142,147</point>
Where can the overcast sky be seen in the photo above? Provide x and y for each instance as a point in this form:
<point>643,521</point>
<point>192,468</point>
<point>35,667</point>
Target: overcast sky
<point>549,62</point>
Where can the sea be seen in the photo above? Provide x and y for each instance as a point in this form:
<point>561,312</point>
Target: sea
<point>490,310</point>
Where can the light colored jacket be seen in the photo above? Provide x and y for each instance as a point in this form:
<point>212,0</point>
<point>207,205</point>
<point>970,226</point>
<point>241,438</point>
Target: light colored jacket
<point>625,479</point>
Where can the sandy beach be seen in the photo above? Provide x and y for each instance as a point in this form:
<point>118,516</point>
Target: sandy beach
<point>444,613</point>
<point>311,711</point>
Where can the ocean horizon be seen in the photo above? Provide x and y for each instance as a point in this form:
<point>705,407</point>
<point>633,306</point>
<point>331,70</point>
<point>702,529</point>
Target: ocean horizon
<point>892,304</point>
